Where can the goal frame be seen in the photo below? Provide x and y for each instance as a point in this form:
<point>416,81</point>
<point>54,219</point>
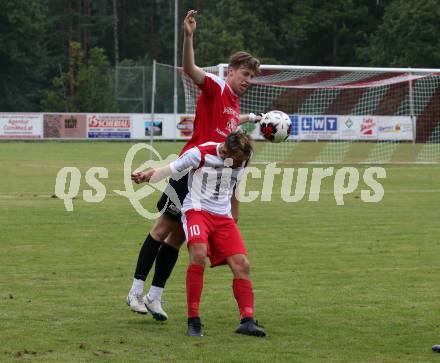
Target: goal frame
<point>222,68</point>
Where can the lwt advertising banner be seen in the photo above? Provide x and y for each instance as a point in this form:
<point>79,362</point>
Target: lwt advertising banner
<point>21,125</point>
<point>351,127</point>
<point>313,127</point>
<point>108,126</point>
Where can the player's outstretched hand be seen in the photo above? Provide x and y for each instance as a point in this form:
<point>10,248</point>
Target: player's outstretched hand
<point>137,177</point>
<point>259,116</point>
<point>141,177</point>
<point>189,24</point>
<point>255,118</point>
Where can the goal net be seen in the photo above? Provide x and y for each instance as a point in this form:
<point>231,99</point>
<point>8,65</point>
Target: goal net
<point>343,114</point>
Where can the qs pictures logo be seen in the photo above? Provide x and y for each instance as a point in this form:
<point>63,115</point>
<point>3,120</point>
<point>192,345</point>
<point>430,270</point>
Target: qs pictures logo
<point>344,180</point>
<point>70,177</point>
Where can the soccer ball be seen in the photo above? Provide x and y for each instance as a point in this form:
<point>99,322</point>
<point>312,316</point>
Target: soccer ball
<point>275,126</point>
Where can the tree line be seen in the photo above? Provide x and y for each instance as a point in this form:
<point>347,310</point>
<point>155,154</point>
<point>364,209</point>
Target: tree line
<point>60,55</point>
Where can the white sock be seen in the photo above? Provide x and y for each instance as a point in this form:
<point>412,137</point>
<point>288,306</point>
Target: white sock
<point>155,293</point>
<point>138,287</point>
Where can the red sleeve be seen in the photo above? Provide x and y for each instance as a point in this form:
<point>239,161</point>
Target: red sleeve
<point>212,85</point>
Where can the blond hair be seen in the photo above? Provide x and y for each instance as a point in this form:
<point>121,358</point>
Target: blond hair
<point>244,59</point>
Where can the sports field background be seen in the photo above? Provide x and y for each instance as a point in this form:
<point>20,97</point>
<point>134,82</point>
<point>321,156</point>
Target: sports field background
<point>352,283</point>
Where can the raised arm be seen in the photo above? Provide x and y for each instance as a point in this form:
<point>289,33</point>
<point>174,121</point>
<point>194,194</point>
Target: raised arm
<point>152,176</point>
<point>189,66</point>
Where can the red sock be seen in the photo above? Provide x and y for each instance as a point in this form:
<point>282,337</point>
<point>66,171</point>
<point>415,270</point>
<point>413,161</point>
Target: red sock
<point>194,286</point>
<point>244,294</point>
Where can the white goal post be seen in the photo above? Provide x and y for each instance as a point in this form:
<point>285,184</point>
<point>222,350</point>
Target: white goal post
<point>344,114</point>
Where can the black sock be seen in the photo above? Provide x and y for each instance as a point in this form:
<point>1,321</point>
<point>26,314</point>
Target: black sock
<point>166,259</point>
<point>146,258</point>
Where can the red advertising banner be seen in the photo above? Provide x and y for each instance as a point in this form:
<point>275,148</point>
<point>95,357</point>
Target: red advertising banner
<point>108,126</point>
<point>186,126</point>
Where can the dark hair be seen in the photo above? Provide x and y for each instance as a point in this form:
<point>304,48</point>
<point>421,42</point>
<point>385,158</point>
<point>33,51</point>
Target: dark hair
<point>239,143</point>
<point>239,59</point>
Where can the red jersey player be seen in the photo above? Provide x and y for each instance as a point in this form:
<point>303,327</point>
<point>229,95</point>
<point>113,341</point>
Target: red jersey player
<point>213,172</point>
<point>217,114</point>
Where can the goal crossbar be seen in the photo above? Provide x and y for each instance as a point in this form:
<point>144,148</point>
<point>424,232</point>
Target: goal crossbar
<point>341,69</point>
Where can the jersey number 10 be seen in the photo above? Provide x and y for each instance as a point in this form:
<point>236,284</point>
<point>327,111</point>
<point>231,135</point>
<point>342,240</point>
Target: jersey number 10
<point>194,230</point>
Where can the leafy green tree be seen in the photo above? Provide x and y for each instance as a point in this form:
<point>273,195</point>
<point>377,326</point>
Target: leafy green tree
<point>408,35</point>
<point>229,26</point>
<point>320,32</point>
<point>36,38</point>
<point>23,62</point>
<point>85,87</point>
<point>313,32</point>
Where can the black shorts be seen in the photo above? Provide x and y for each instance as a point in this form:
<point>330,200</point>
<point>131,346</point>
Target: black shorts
<point>166,205</point>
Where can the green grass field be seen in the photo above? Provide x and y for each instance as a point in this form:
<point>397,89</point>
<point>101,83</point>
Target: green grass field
<point>352,283</point>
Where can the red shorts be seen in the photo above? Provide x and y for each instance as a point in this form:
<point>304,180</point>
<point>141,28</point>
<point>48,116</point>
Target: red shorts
<point>219,233</point>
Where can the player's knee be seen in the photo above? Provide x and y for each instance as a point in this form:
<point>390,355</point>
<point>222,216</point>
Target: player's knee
<point>197,254</point>
<point>244,267</point>
<point>175,242</point>
<point>162,228</point>
<point>240,266</point>
<point>198,258</point>
<point>159,235</point>
<point>176,238</point>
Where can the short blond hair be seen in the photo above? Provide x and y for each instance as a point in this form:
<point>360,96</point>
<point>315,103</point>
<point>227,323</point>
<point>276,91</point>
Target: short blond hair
<point>244,59</point>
